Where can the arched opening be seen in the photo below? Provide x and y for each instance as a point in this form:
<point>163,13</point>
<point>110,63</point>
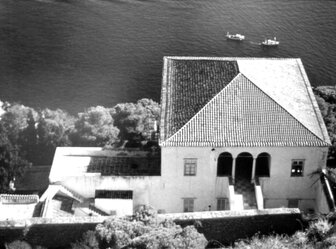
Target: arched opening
<point>263,163</point>
<point>244,164</point>
<point>224,164</point>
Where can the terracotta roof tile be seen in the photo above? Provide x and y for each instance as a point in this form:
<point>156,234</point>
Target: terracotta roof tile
<point>243,115</point>
<point>278,87</point>
<point>189,85</point>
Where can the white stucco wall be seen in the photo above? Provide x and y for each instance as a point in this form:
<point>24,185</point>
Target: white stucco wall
<point>206,187</point>
<point>167,192</point>
<point>121,207</point>
<point>147,190</point>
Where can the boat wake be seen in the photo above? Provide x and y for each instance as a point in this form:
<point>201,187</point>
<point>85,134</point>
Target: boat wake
<point>255,43</point>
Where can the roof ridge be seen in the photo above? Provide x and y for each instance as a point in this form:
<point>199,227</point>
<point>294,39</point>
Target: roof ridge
<point>289,112</point>
<point>190,120</point>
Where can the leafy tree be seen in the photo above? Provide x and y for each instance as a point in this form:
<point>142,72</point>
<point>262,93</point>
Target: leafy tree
<point>94,128</point>
<point>52,130</point>
<point>134,120</point>
<point>144,230</point>
<point>12,165</point>
<point>15,120</point>
<point>326,99</point>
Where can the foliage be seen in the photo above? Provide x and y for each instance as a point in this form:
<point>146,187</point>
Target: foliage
<point>136,119</point>
<point>265,242</point>
<point>37,133</point>
<point>144,230</point>
<point>94,127</point>
<point>18,244</point>
<point>12,165</point>
<point>326,99</point>
<point>318,230</point>
<point>319,234</point>
<point>52,130</point>
<point>89,241</point>
<point>15,120</point>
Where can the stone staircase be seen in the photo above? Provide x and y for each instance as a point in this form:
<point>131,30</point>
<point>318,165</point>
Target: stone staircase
<point>245,188</point>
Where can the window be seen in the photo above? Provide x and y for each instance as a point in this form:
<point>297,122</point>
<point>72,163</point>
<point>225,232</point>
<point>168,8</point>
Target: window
<point>222,204</point>
<point>293,203</point>
<point>188,205</point>
<point>190,165</point>
<point>114,194</point>
<point>297,168</point>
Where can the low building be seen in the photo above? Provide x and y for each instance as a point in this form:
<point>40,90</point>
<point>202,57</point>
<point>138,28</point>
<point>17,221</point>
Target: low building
<point>235,133</point>
<point>17,206</point>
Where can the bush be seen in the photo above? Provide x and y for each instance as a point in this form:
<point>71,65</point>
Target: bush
<point>89,241</point>
<point>18,244</point>
<point>318,230</point>
<point>143,230</point>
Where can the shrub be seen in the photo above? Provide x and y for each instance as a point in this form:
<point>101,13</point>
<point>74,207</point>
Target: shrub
<point>89,241</point>
<point>265,242</point>
<point>143,230</point>
<point>318,230</point>
<point>18,244</point>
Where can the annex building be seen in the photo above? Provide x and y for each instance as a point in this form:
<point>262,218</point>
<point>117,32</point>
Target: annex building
<point>235,133</point>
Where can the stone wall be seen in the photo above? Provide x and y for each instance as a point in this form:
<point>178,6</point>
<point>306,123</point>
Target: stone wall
<point>222,226</point>
<point>51,233</point>
<point>228,226</point>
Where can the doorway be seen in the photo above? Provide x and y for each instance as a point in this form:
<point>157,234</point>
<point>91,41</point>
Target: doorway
<point>244,164</point>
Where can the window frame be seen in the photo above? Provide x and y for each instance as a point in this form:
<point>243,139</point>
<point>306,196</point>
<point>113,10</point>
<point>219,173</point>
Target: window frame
<point>187,203</point>
<point>190,166</point>
<point>293,164</point>
<point>224,202</point>
<point>293,200</point>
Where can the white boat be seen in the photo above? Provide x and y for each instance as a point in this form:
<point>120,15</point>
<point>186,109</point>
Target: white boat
<point>270,42</point>
<point>236,37</point>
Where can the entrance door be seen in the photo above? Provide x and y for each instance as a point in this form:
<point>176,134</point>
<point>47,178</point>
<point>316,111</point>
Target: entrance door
<point>244,164</point>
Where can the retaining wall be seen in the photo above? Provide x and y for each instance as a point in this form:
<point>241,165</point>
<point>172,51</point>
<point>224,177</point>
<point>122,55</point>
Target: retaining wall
<point>222,226</point>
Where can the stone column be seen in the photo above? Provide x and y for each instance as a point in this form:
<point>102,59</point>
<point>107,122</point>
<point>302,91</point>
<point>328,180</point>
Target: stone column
<point>233,169</point>
<point>253,170</point>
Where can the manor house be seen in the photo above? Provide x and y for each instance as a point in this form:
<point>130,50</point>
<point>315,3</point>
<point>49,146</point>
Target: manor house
<point>235,133</point>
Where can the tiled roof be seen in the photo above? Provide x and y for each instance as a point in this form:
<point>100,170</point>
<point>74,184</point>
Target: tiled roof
<point>243,115</point>
<point>95,161</point>
<point>188,85</point>
<point>285,81</point>
<point>271,105</point>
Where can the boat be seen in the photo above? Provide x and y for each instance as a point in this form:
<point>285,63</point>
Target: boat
<point>236,37</point>
<point>270,42</point>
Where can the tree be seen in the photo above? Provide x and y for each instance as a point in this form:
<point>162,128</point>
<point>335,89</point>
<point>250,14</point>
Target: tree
<point>94,128</point>
<point>15,120</point>
<point>136,119</point>
<point>12,165</point>
<point>52,130</point>
<point>144,230</point>
<point>326,99</point>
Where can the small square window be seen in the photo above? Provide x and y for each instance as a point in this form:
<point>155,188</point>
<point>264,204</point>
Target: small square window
<point>297,168</point>
<point>222,204</point>
<point>190,166</point>
<point>293,203</point>
<point>188,205</point>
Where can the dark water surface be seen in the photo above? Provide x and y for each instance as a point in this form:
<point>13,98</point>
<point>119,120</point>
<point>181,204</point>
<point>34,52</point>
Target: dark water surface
<point>72,54</point>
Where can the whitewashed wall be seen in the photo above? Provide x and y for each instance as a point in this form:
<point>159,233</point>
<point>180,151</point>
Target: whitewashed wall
<point>205,187</point>
<point>167,191</point>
